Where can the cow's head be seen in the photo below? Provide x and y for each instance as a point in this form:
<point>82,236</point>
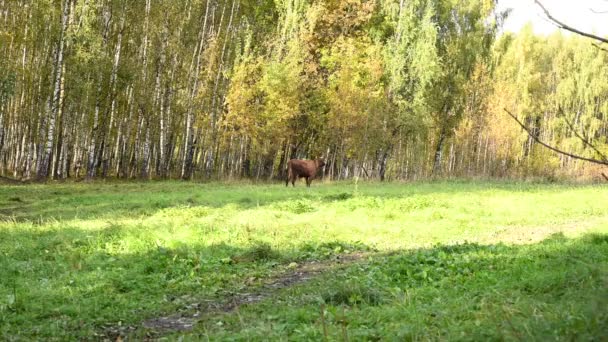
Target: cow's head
<point>320,162</point>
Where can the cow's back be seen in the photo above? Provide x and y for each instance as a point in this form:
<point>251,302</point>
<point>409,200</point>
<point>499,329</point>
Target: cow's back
<point>301,168</point>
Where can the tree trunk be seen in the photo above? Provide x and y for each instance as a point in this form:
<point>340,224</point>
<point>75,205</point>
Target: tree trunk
<point>55,105</point>
<point>439,152</point>
<point>92,144</point>
<point>1,130</point>
<point>383,161</point>
<point>189,133</point>
<point>145,172</point>
<point>210,163</point>
<point>106,158</point>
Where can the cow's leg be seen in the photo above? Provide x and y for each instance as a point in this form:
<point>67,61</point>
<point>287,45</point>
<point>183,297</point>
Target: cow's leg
<point>308,181</point>
<point>293,181</point>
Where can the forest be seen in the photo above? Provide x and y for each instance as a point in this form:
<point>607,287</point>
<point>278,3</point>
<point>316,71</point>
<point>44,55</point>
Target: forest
<point>463,192</point>
<point>229,89</point>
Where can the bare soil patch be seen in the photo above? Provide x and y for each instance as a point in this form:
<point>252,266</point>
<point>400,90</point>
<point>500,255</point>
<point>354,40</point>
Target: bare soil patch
<point>190,314</point>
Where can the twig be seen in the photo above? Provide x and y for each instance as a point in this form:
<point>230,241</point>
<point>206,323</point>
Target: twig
<point>344,331</point>
<point>599,47</point>
<point>591,160</point>
<point>598,12</point>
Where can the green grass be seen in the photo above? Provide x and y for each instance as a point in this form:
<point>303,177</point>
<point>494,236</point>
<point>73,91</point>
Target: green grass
<point>553,290</point>
<point>444,260</point>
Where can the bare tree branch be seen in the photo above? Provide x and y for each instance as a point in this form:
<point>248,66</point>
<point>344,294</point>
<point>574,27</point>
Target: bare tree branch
<point>531,134</point>
<point>599,47</point>
<point>584,139</point>
<point>569,28</point>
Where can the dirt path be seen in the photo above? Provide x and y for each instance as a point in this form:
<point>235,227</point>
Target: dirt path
<point>194,312</point>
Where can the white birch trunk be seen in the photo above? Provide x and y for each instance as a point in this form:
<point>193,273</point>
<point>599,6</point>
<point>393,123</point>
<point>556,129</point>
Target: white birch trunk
<point>55,104</point>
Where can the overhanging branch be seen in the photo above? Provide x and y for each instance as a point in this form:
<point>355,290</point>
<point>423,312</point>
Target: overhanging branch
<point>554,149</point>
<point>567,27</point>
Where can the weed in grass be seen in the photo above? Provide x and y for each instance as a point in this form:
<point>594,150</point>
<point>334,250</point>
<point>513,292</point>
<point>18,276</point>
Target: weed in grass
<point>327,249</point>
<point>300,206</point>
<point>365,202</point>
<point>417,203</point>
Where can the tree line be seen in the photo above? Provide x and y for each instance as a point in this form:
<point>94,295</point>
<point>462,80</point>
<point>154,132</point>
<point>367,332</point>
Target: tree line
<point>235,88</point>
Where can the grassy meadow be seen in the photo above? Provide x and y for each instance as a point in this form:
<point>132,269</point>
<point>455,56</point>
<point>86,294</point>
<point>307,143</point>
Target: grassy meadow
<point>339,261</point>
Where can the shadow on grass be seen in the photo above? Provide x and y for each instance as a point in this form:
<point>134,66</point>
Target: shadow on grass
<point>68,284</point>
<point>556,289</point>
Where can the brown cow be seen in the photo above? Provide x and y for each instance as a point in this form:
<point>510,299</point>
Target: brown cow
<point>308,169</point>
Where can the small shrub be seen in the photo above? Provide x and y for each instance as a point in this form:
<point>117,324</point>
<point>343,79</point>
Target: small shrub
<point>339,197</point>
<point>597,239</point>
<point>259,252</point>
<point>245,200</point>
<point>351,294</point>
<point>390,216</point>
